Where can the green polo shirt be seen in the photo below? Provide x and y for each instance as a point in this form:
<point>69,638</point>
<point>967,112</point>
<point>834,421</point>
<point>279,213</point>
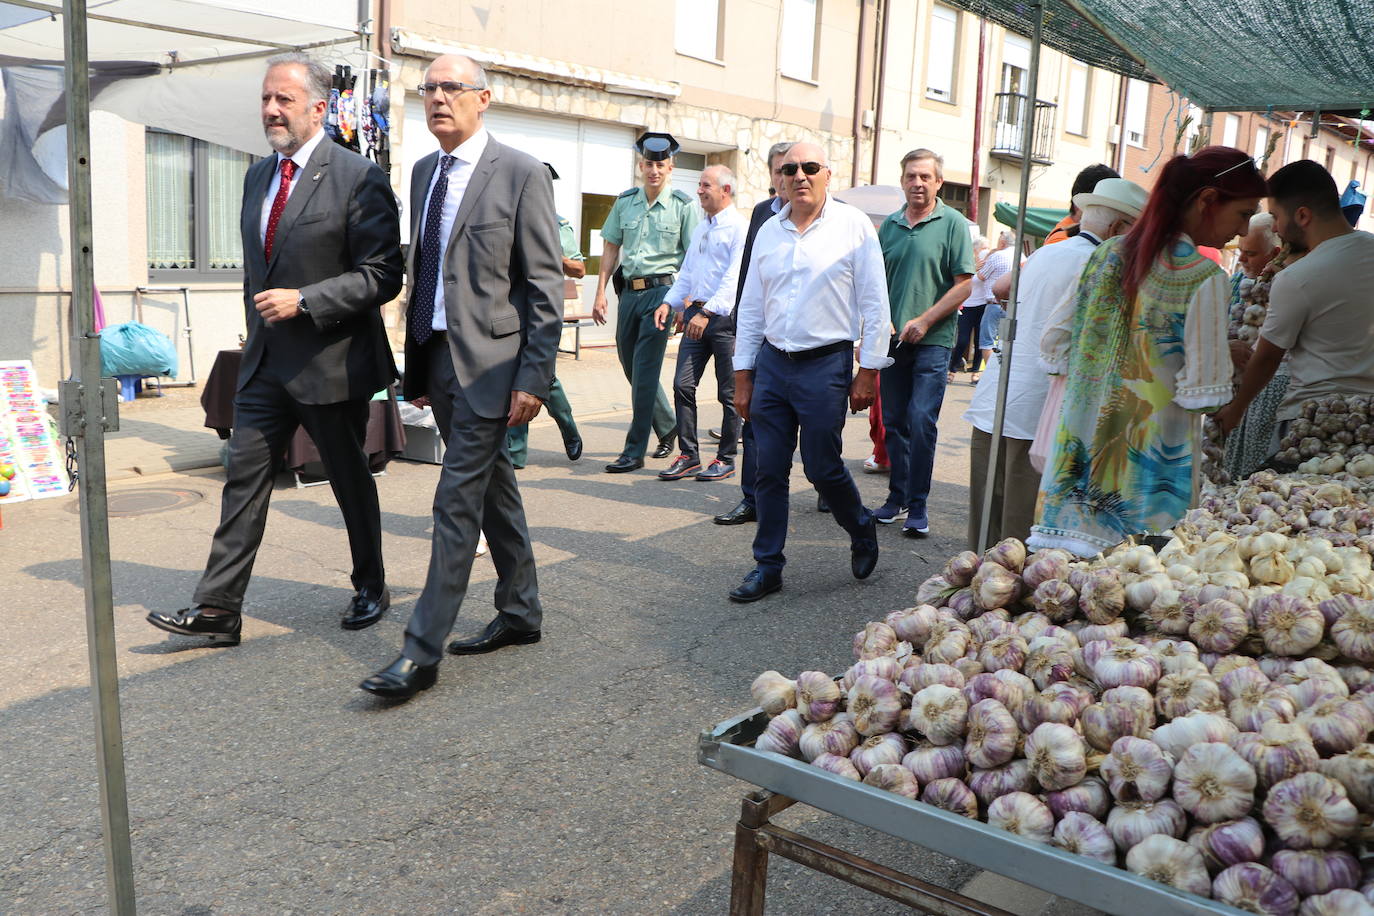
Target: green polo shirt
<point>653,238</point>
<point>922,262</point>
<point>568,238</point>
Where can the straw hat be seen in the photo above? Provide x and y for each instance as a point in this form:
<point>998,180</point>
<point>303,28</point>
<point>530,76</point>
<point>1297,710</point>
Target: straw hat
<point>1117,193</point>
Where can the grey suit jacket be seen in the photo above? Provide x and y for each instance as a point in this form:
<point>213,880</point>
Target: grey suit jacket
<point>502,279</point>
<point>339,243</point>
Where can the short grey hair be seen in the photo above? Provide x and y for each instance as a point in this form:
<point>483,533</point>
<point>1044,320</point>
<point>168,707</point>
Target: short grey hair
<point>1006,237</point>
<point>778,149</point>
<point>723,176</point>
<point>920,155</point>
<point>1264,222</point>
<point>319,79</point>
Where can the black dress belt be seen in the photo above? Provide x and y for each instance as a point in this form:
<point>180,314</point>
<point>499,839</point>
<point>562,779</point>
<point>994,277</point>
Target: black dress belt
<point>639,284</point>
<point>839,346</point>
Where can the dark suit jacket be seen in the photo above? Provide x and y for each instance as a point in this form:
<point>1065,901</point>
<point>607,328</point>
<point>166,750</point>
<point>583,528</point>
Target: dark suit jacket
<point>763,212</point>
<point>339,243</point>
<point>502,280</point>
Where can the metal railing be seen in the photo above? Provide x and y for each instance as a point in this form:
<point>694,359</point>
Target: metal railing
<point>1009,129</point>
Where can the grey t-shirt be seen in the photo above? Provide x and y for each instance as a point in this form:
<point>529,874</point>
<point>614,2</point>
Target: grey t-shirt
<point>1321,310</point>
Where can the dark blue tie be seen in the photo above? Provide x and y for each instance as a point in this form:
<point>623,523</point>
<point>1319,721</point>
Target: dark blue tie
<point>427,279</point>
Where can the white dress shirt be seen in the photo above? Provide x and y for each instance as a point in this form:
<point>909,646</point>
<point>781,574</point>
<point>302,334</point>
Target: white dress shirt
<point>810,288</point>
<point>710,271</point>
<point>466,156</point>
<point>301,158</point>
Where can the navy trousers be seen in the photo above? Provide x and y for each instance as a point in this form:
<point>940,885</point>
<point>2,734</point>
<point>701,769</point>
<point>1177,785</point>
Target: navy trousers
<point>804,399</point>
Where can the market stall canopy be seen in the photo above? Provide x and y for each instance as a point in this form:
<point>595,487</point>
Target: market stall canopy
<point>1039,220</point>
<point>1226,55</point>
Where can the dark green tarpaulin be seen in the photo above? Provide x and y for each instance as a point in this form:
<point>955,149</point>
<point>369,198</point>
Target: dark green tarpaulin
<point>1236,55</point>
<point>1039,220</point>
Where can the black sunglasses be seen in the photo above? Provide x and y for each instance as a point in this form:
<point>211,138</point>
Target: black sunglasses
<point>808,168</point>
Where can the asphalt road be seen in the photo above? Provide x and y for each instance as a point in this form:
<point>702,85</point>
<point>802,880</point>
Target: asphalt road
<point>556,778</point>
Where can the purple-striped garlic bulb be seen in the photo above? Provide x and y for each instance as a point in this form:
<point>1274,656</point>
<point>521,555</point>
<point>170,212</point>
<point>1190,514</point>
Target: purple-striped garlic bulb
<point>1288,625</point>
<point>948,641</point>
<point>1310,680</point>
<point>1137,770</point>
<point>1008,553</point>
<point>1181,733</point>
<point>782,733</point>
<point>1170,861</point>
<point>1045,566</point>
<point>1228,663</point>
<point>1341,902</point>
<point>1310,811</point>
<point>1115,629</point>
<point>1104,723</point>
<point>875,639</point>
<point>995,782</point>
<point>875,704</point>
<point>1218,626</point>
<point>1102,598</point>
<point>1056,599</point>
<point>1128,665</point>
<point>1317,871</point>
<point>1004,651</point>
<point>952,795</point>
<point>1085,835</point>
<point>1048,661</point>
<point>930,762</point>
<point>960,568</point>
<point>912,624</point>
<point>1337,725</point>
<point>987,686</point>
<point>1024,815</point>
<point>992,734</point>
<point>940,713</point>
<point>840,766</point>
<point>1251,887</point>
<point>1131,822</point>
<point>1089,796</point>
<point>1229,842</point>
<point>818,696</point>
<point>1279,750</point>
<point>836,735</point>
<point>1179,694</point>
<point>994,586</point>
<point>773,692</point>
<point>1355,771</point>
<point>894,778</point>
<point>1056,755</point>
<point>1060,702</point>
<point>917,677</point>
<point>884,666</point>
<point>1213,783</point>
<point>1354,632</point>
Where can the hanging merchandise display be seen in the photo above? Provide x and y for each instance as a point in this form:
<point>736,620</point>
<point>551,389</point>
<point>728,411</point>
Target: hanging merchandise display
<point>30,459</point>
<point>357,115</point>
<point>376,119</point>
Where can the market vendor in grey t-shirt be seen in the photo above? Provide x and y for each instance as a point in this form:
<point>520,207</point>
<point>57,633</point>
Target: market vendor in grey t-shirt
<point>1321,309</point>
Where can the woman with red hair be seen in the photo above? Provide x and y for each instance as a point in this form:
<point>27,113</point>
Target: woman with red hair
<point>1149,351</point>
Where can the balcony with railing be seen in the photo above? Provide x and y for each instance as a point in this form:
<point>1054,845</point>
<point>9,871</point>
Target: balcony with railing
<point>1009,140</point>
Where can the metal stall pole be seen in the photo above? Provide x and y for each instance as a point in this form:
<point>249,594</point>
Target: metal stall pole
<point>1008,325</point>
<point>88,411</point>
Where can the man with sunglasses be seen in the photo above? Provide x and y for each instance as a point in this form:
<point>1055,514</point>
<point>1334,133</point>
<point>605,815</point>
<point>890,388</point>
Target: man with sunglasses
<point>815,285</point>
<point>646,234</point>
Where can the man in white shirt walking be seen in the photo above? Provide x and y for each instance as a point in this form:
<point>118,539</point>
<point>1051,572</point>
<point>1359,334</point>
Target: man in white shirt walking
<point>704,296</point>
<point>816,280</point>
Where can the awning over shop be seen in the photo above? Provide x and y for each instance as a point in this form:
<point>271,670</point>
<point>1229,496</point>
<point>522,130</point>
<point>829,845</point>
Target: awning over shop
<point>1039,220</point>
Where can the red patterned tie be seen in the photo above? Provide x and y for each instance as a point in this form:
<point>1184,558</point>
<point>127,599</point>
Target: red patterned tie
<point>288,168</point>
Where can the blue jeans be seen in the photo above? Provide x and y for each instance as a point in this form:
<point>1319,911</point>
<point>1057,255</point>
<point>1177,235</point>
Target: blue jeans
<point>810,397</point>
<point>987,328</point>
<point>913,388</point>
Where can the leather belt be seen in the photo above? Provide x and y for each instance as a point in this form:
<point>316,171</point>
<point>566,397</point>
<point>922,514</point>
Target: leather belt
<point>639,284</point>
<point>797,356</point>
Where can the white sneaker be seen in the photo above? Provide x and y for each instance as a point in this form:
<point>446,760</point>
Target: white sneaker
<point>481,544</point>
<point>871,466</point>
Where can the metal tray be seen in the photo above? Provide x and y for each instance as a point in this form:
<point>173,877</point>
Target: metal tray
<point>728,747</point>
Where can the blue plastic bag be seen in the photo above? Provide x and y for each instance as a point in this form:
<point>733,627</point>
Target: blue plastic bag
<point>136,349</point>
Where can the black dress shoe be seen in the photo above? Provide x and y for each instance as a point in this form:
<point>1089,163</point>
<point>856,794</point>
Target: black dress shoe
<point>665,446</point>
<point>624,464</point>
<point>680,468</point>
<point>401,679</point>
<point>756,585</point>
<point>863,551</point>
<point>193,621</point>
<point>497,635</point>
<point>739,515</point>
<point>822,505</point>
<point>717,470</point>
<point>366,609</point>
<point>715,433</point>
<point>573,447</point>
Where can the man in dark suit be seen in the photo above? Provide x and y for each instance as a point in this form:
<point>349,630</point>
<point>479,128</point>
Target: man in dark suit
<point>764,210</point>
<point>321,249</point>
<point>483,319</point>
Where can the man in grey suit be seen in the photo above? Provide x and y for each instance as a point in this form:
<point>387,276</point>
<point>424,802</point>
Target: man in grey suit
<point>483,319</point>
<point>321,249</point>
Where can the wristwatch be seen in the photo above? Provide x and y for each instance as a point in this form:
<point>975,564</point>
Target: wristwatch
<point>301,306</point>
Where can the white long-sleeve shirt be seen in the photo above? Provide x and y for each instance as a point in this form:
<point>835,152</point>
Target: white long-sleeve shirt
<point>817,287</point>
<point>710,270</point>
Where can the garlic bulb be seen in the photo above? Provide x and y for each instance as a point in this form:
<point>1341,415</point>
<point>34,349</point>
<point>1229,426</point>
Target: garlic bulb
<point>773,692</point>
<point>940,713</point>
<point>991,624</point>
<point>1252,712</point>
<point>1129,665</point>
<point>1170,861</point>
<point>1218,626</point>
<point>992,734</point>
<point>986,686</point>
<point>951,795</point>
<point>1289,626</point>
<point>995,782</point>
<point>1137,770</point>
<point>1310,811</point>
<point>840,766</point>
<point>912,624</point>
<point>1168,612</point>
<point>1252,887</point>
<point>1142,593</point>
<point>1354,771</point>
<point>1031,624</point>
<point>1317,871</point>
<point>1271,569</point>
<point>1009,553</point>
<point>1083,834</point>
<point>1248,680</point>
<point>1131,822</point>
<point>1104,723</point>
<point>1056,756</point>
<point>994,586</point>
<point>836,736</point>
<point>1007,651</point>
<point>1056,599</point>
<point>1024,815</point>
<point>1102,598</point>
<point>1115,629</point>
<point>884,666</point>
<point>1337,725</point>
<point>875,704</point>
<point>1044,566</point>
<point>1277,752</point>
<point>934,591</point>
<point>879,749</point>
<point>894,778</point>
<point>1213,783</point>
<point>962,603</point>
<point>961,567</point>
<point>1179,694</point>
<point>1089,796</point>
<point>782,733</point>
<point>873,640</point>
<point>1048,662</point>
<point>932,762</point>
<point>818,696</point>
<point>919,676</point>
<point>1340,902</point>
<point>968,667</point>
<point>1354,632</point>
<point>1136,698</point>
<point>1059,702</point>
<point>1194,728</point>
<point>948,641</point>
<point>1229,842</point>
<point>1178,657</point>
<point>1311,680</point>
<point>1228,663</point>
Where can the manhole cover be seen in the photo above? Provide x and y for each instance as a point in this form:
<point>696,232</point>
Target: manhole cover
<point>147,502</point>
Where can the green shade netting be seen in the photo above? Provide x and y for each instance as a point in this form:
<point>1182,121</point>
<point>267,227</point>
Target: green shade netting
<point>1239,55</point>
<point>1039,220</point>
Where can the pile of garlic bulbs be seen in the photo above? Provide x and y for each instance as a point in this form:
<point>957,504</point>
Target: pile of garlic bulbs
<point>1331,434</point>
<point>1186,716</point>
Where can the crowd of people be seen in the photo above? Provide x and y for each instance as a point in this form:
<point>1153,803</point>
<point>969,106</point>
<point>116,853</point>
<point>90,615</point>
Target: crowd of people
<point>808,311</point>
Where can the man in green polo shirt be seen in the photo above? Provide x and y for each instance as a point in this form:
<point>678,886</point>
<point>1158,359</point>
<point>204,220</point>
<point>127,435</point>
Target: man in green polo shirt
<point>647,234</point>
<point>929,257</point>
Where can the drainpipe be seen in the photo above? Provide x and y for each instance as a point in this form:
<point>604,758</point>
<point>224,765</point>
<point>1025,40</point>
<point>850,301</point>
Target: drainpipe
<point>860,70</point>
<point>384,29</point>
<point>1119,160</point>
<point>974,172</point>
<point>882,85</point>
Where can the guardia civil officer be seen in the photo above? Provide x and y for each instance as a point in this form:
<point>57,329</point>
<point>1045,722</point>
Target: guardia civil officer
<point>646,234</point>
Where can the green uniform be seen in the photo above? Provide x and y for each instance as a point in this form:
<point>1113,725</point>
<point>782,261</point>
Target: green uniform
<point>922,262</point>
<point>653,240</point>
<point>518,437</point>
